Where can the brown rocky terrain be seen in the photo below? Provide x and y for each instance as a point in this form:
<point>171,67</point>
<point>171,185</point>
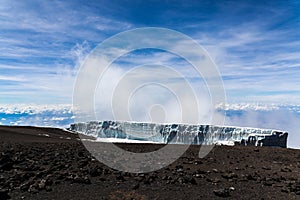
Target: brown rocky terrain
<point>47,163</point>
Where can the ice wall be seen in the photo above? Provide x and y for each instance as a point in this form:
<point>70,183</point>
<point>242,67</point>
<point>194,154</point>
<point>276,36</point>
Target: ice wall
<point>171,133</point>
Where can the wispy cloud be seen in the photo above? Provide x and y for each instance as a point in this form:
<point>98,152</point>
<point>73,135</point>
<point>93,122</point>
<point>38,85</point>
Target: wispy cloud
<point>256,60</point>
<point>253,49</point>
<point>42,45</point>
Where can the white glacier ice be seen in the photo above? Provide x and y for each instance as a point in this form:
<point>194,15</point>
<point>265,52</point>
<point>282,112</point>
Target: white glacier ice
<point>181,133</point>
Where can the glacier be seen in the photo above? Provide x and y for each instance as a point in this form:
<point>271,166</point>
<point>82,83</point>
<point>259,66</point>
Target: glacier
<point>181,133</point>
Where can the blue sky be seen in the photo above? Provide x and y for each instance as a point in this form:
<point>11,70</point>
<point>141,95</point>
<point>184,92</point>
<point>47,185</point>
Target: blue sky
<point>255,45</point>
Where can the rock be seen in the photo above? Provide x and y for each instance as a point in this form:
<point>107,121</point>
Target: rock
<point>179,170</point>
<point>33,188</point>
<point>48,188</point>
<point>120,178</point>
<point>80,154</point>
<point>192,181</point>
<point>102,179</point>
<point>266,168</point>
<point>24,187</point>
<point>79,179</point>
<point>209,180</point>
<point>42,184</point>
<point>201,172</point>
<point>136,186</point>
<point>147,181</point>
<point>39,174</point>
<point>2,178</point>
<point>179,167</point>
<point>285,190</point>
<point>181,180</point>
<point>298,185</point>
<point>4,194</point>
<point>4,158</point>
<point>268,183</point>
<point>187,179</point>
<point>229,175</point>
<point>199,176</point>
<point>278,185</point>
<point>7,166</point>
<point>251,177</point>
<point>198,162</point>
<point>216,180</point>
<point>222,192</point>
<point>282,178</point>
<point>96,171</point>
<point>286,169</point>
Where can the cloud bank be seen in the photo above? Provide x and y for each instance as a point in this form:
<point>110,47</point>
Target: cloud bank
<point>280,117</point>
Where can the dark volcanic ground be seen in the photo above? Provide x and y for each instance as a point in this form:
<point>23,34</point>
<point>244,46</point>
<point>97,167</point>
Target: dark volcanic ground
<point>45,163</point>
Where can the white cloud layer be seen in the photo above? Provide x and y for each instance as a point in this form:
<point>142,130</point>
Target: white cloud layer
<point>281,117</point>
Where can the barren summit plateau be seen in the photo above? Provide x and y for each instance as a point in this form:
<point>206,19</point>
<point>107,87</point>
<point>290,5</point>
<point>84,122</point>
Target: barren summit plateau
<point>47,163</point>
